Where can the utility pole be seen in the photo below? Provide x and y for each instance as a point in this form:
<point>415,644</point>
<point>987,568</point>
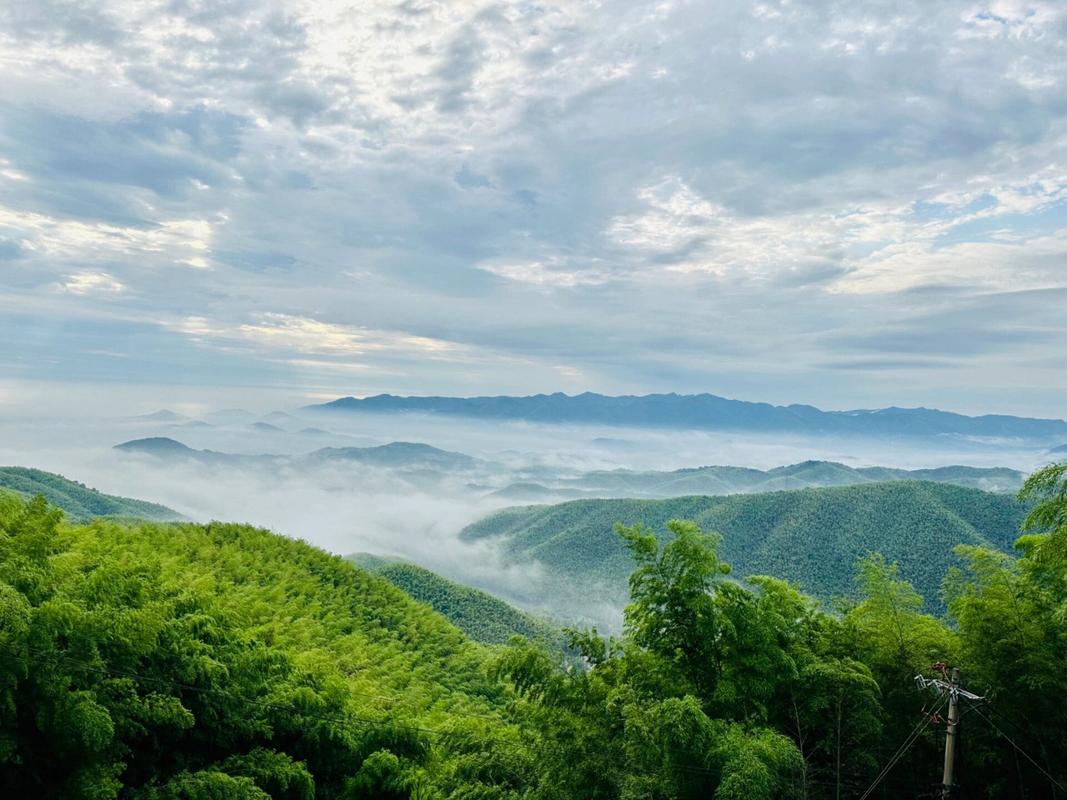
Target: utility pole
<point>947,777</point>
<point>949,687</point>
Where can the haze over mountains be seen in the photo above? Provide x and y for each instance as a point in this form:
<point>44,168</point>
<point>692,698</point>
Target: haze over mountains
<point>574,566</point>
<point>518,482</point>
<point>393,455</point>
<point>406,484</point>
<point>708,411</point>
<point>807,521</point>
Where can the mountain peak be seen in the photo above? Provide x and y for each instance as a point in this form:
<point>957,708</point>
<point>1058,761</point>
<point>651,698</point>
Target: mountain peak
<point>154,444</point>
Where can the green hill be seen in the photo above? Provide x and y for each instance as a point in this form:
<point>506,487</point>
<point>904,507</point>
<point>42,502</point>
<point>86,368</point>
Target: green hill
<point>480,615</point>
<point>810,536</point>
<point>737,480</point>
<point>168,658</point>
<point>78,500</point>
<point>174,661</point>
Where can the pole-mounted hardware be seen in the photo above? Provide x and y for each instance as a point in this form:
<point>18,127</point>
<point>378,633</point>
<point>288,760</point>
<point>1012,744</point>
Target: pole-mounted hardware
<point>948,686</point>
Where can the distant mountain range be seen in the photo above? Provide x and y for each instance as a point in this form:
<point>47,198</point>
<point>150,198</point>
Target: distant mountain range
<point>708,412</point>
<point>78,500</point>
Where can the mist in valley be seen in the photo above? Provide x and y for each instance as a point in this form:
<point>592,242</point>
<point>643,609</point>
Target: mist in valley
<point>412,511</point>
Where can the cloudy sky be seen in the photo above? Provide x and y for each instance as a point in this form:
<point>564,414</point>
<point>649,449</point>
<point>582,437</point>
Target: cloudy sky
<point>843,203</point>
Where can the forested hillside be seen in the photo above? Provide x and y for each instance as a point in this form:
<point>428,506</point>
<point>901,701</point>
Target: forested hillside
<point>173,661</point>
<point>480,615</point>
<point>78,500</point>
<point>813,537</point>
<point>805,475</point>
<point>722,691</point>
<point>742,480</point>
<point>195,661</point>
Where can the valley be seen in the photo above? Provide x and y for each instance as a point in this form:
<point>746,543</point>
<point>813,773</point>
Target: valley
<point>407,616</point>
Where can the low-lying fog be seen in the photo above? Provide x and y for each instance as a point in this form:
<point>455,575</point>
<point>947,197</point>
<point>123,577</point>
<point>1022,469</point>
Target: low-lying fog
<point>349,507</point>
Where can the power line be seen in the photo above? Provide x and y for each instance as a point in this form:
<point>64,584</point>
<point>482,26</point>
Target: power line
<point>1017,728</point>
<point>357,722</point>
<point>1026,755</point>
<point>915,733</point>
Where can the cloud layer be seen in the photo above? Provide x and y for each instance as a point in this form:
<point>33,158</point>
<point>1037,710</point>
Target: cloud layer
<point>820,202</point>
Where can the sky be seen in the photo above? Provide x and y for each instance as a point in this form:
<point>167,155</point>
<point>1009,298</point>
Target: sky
<point>244,202</point>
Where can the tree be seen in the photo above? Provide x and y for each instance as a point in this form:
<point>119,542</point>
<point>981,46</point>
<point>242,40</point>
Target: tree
<point>672,610</point>
<point>648,716</point>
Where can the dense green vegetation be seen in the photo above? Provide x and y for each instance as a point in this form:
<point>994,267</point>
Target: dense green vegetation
<point>194,661</point>
<point>221,662</point>
<point>478,614</point>
<point>812,537</point>
<point>729,690</point>
<point>78,500</point>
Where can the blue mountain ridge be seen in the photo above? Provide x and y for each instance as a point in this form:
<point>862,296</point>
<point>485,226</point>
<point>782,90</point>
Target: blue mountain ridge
<point>708,412</point>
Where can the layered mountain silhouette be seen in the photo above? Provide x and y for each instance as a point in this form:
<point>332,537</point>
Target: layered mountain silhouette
<point>708,411</point>
<point>393,455</point>
<point>519,484</point>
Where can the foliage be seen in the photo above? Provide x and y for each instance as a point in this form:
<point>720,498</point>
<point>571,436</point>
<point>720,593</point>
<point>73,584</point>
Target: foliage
<point>216,661</point>
<point>480,615</point>
<point>149,661</point>
<point>812,537</point>
<point>723,689</point>
<point>77,500</point>
<point>1012,622</point>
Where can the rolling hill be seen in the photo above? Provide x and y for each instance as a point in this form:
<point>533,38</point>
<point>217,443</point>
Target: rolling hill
<point>810,536</point>
<point>197,650</point>
<point>78,500</point>
<point>546,484</point>
<point>480,615</point>
<point>399,454</point>
<point>734,480</point>
<point>707,411</point>
<point>395,455</point>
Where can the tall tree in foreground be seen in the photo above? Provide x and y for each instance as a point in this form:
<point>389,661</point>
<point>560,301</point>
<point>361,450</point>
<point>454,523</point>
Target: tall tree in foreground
<point>1012,621</point>
<point>678,708</point>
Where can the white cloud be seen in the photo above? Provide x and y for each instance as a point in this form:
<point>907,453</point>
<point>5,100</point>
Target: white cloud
<point>551,274</point>
<point>92,283</point>
<point>627,190</point>
<point>296,334</point>
<point>182,242</point>
<point>880,248</point>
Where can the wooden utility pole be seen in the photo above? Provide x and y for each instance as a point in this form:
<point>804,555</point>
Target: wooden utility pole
<point>950,688</point>
<point>948,777</point>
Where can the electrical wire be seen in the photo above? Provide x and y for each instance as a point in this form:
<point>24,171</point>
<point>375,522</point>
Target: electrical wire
<point>1014,725</point>
<point>915,734</point>
<point>353,721</point>
<point>1026,755</point>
